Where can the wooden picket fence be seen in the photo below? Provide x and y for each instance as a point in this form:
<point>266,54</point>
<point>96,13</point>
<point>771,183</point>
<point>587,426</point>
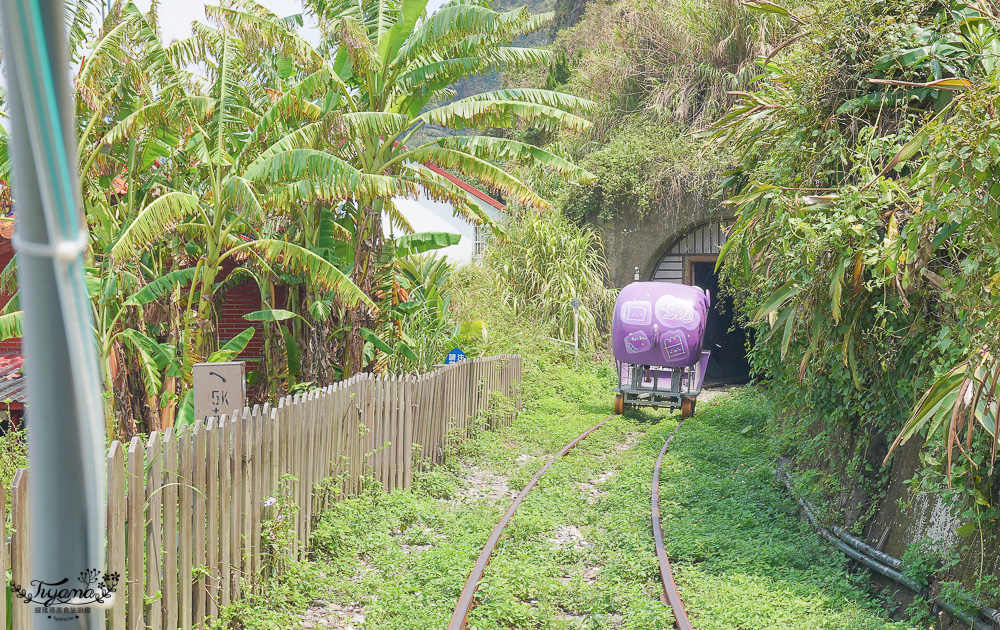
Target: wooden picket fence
<point>186,509</point>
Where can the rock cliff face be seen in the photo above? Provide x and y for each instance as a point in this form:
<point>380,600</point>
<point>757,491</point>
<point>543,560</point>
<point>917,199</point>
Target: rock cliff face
<point>905,518</point>
<point>894,517</point>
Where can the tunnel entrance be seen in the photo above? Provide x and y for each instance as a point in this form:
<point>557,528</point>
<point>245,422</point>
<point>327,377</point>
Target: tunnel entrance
<point>691,260</point>
<point>726,339</point>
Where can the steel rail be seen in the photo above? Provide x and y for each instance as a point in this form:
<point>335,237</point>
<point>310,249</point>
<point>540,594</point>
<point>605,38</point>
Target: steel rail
<point>666,574</point>
<point>467,599</point>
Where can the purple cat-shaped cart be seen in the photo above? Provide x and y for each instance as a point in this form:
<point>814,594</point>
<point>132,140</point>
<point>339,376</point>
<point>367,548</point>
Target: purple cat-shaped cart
<point>657,333</point>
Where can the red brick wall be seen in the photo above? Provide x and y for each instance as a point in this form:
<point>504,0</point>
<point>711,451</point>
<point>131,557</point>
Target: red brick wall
<point>236,303</point>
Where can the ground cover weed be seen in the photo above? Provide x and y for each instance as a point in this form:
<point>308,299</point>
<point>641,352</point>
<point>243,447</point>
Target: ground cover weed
<point>742,556</point>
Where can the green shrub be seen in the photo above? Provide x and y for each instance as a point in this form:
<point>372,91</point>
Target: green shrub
<point>926,560</point>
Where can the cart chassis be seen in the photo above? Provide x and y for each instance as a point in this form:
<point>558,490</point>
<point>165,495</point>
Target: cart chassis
<point>655,386</point>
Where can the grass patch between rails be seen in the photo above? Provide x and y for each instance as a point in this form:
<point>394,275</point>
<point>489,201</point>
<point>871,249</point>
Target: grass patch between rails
<point>579,552</point>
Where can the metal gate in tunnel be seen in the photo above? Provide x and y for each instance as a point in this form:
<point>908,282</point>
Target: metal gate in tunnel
<point>691,260</point>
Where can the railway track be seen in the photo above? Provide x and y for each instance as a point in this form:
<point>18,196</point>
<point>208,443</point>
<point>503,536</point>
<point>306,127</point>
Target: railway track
<point>666,573</point>
<point>466,600</point>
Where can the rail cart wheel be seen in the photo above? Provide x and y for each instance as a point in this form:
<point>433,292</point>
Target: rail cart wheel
<point>619,404</point>
<point>687,407</point>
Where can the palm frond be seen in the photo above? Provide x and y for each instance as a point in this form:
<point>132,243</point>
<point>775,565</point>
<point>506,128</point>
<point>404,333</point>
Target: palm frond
<point>321,172</point>
<point>476,113</point>
<point>10,325</point>
<point>13,304</point>
<point>482,170</point>
<point>232,348</point>
<point>270,315</point>
<point>411,244</point>
<point>511,58</point>
<point>8,277</point>
<point>314,268</point>
<point>492,148</point>
<point>448,70</point>
<point>161,286</point>
<point>440,188</point>
<point>360,50</point>
<point>241,198</point>
<point>292,104</point>
<point>396,218</point>
<point>534,22</point>
<point>109,49</point>
<point>152,223</point>
<point>448,25</point>
<point>127,126</point>
<point>374,124</point>
<point>151,357</point>
<point>550,98</point>
<point>261,27</point>
<point>310,136</point>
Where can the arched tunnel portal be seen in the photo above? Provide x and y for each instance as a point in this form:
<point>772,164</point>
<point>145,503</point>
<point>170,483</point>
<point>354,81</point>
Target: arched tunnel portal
<point>680,243</point>
<point>691,259</point>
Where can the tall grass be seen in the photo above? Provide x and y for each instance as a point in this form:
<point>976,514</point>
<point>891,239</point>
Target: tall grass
<point>543,263</point>
<point>13,455</point>
<point>677,58</point>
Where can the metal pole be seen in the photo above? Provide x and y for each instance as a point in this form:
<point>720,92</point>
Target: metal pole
<point>65,425</point>
<point>576,331</point>
<point>575,303</point>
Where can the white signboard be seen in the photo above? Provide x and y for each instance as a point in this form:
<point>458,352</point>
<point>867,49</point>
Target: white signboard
<point>219,388</point>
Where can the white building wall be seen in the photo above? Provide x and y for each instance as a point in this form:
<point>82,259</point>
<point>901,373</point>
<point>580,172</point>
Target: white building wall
<point>427,215</point>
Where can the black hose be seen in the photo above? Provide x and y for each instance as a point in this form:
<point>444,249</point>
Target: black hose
<point>867,549</point>
<point>879,561</point>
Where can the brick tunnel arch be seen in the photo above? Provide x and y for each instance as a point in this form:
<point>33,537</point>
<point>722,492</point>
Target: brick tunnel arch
<point>691,259</point>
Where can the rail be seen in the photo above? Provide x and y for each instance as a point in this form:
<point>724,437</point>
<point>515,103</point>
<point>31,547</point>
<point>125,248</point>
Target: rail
<point>666,573</point>
<point>466,600</point>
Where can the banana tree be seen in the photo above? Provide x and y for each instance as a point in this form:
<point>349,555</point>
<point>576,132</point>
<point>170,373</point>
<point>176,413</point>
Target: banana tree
<point>424,325</point>
<point>392,67</point>
<point>178,180</point>
<point>120,73</point>
<point>248,170</point>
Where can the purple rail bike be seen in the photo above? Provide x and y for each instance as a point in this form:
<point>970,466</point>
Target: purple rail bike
<point>657,333</point>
